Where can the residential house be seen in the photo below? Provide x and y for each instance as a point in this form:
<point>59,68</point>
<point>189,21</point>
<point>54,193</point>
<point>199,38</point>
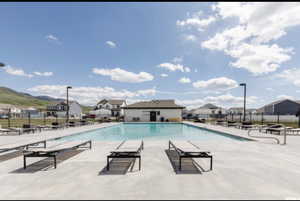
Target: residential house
<point>14,111</point>
<point>208,110</point>
<point>60,110</point>
<point>281,107</point>
<point>154,110</point>
<point>115,106</point>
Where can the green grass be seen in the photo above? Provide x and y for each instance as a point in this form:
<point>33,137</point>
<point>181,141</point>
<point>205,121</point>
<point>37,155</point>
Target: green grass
<point>19,122</point>
<point>9,96</point>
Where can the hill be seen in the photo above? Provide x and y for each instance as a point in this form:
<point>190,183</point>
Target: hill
<point>9,96</point>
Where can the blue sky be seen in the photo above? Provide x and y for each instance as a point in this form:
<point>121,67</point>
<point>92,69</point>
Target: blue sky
<point>192,52</point>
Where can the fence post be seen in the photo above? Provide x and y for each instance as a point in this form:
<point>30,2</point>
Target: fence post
<point>262,118</point>
<point>44,118</point>
<point>8,118</point>
<point>278,118</point>
<point>29,121</point>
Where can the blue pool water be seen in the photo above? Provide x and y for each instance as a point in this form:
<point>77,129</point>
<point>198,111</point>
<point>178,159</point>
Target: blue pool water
<point>151,131</point>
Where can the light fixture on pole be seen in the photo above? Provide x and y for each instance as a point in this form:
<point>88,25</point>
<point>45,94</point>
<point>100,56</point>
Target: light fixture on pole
<point>68,87</point>
<point>244,84</point>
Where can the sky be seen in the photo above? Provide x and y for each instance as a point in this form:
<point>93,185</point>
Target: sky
<point>194,52</point>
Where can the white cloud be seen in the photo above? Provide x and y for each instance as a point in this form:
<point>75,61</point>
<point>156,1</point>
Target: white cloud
<point>218,84</point>
<point>177,59</point>
<point>16,71</point>
<point>89,95</point>
<point>291,75</point>
<point>249,42</point>
<point>45,74</point>
<point>121,75</point>
<point>164,75</point>
<point>226,100</point>
<point>196,21</point>
<point>111,44</point>
<point>285,97</point>
<point>52,38</point>
<point>184,80</point>
<point>190,37</point>
<point>174,67</point>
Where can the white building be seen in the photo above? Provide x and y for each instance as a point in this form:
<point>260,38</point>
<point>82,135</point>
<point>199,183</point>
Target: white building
<point>115,106</point>
<point>209,109</point>
<point>8,108</point>
<point>60,110</point>
<point>155,110</point>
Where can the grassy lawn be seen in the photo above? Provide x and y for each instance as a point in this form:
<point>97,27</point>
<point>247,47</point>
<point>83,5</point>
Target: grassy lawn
<point>20,122</point>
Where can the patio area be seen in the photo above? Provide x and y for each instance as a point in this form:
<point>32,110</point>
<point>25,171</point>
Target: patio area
<point>242,169</point>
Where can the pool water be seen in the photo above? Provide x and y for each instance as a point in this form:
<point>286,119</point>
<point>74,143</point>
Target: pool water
<point>151,131</point>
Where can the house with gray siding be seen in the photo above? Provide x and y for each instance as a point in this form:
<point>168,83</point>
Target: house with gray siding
<point>281,107</point>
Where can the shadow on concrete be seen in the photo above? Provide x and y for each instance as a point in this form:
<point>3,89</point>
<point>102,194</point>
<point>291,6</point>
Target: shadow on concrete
<point>11,155</point>
<point>119,166</point>
<point>47,163</point>
<point>188,165</point>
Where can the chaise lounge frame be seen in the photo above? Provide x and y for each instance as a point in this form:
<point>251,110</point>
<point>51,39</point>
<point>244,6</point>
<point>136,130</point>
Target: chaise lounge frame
<point>199,154</point>
<point>126,154</point>
<point>53,153</point>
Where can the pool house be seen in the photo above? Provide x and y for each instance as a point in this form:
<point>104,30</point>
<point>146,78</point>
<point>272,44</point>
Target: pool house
<point>153,111</point>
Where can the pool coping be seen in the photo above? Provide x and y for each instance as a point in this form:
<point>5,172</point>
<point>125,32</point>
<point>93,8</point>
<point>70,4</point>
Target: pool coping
<point>227,134</point>
<point>221,132</point>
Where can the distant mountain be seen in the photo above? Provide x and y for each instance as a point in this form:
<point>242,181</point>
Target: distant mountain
<point>9,96</point>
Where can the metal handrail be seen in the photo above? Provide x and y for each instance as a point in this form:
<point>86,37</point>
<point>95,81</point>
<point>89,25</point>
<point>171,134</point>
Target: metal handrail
<point>274,138</point>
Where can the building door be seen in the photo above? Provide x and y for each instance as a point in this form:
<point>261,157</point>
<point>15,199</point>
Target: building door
<point>153,116</point>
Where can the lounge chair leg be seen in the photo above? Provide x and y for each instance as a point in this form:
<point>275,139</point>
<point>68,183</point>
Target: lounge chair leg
<point>139,163</point>
<point>179,163</point>
<point>24,159</point>
<point>107,166</point>
<point>211,163</point>
<point>54,162</point>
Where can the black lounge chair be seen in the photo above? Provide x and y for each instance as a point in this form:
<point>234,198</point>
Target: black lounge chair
<point>54,150</point>
<point>186,149</point>
<point>127,149</point>
<point>21,145</point>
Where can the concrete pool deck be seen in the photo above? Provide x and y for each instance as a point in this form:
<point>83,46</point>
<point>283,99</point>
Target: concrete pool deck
<point>242,170</point>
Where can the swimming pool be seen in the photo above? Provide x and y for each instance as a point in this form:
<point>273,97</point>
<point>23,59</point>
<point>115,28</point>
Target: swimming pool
<point>151,131</point>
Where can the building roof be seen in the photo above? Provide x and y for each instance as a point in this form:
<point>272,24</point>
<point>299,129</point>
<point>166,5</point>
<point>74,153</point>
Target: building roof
<point>5,106</point>
<point>279,101</point>
<point>153,104</point>
<point>236,108</point>
<point>112,101</point>
<point>209,106</point>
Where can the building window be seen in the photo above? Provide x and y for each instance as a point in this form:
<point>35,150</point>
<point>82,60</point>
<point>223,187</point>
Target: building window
<point>158,113</point>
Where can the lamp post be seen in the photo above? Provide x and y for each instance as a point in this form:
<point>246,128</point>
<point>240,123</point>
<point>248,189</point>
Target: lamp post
<point>68,87</point>
<point>244,84</point>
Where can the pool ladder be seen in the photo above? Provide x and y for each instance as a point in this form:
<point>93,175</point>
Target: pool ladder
<point>274,138</point>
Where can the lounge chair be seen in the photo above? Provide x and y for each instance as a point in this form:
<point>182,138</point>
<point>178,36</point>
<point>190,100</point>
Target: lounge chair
<point>186,149</point>
<point>127,149</point>
<point>21,145</point>
<point>56,125</point>
<point>232,124</point>
<point>246,125</point>
<point>220,122</point>
<point>54,150</point>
